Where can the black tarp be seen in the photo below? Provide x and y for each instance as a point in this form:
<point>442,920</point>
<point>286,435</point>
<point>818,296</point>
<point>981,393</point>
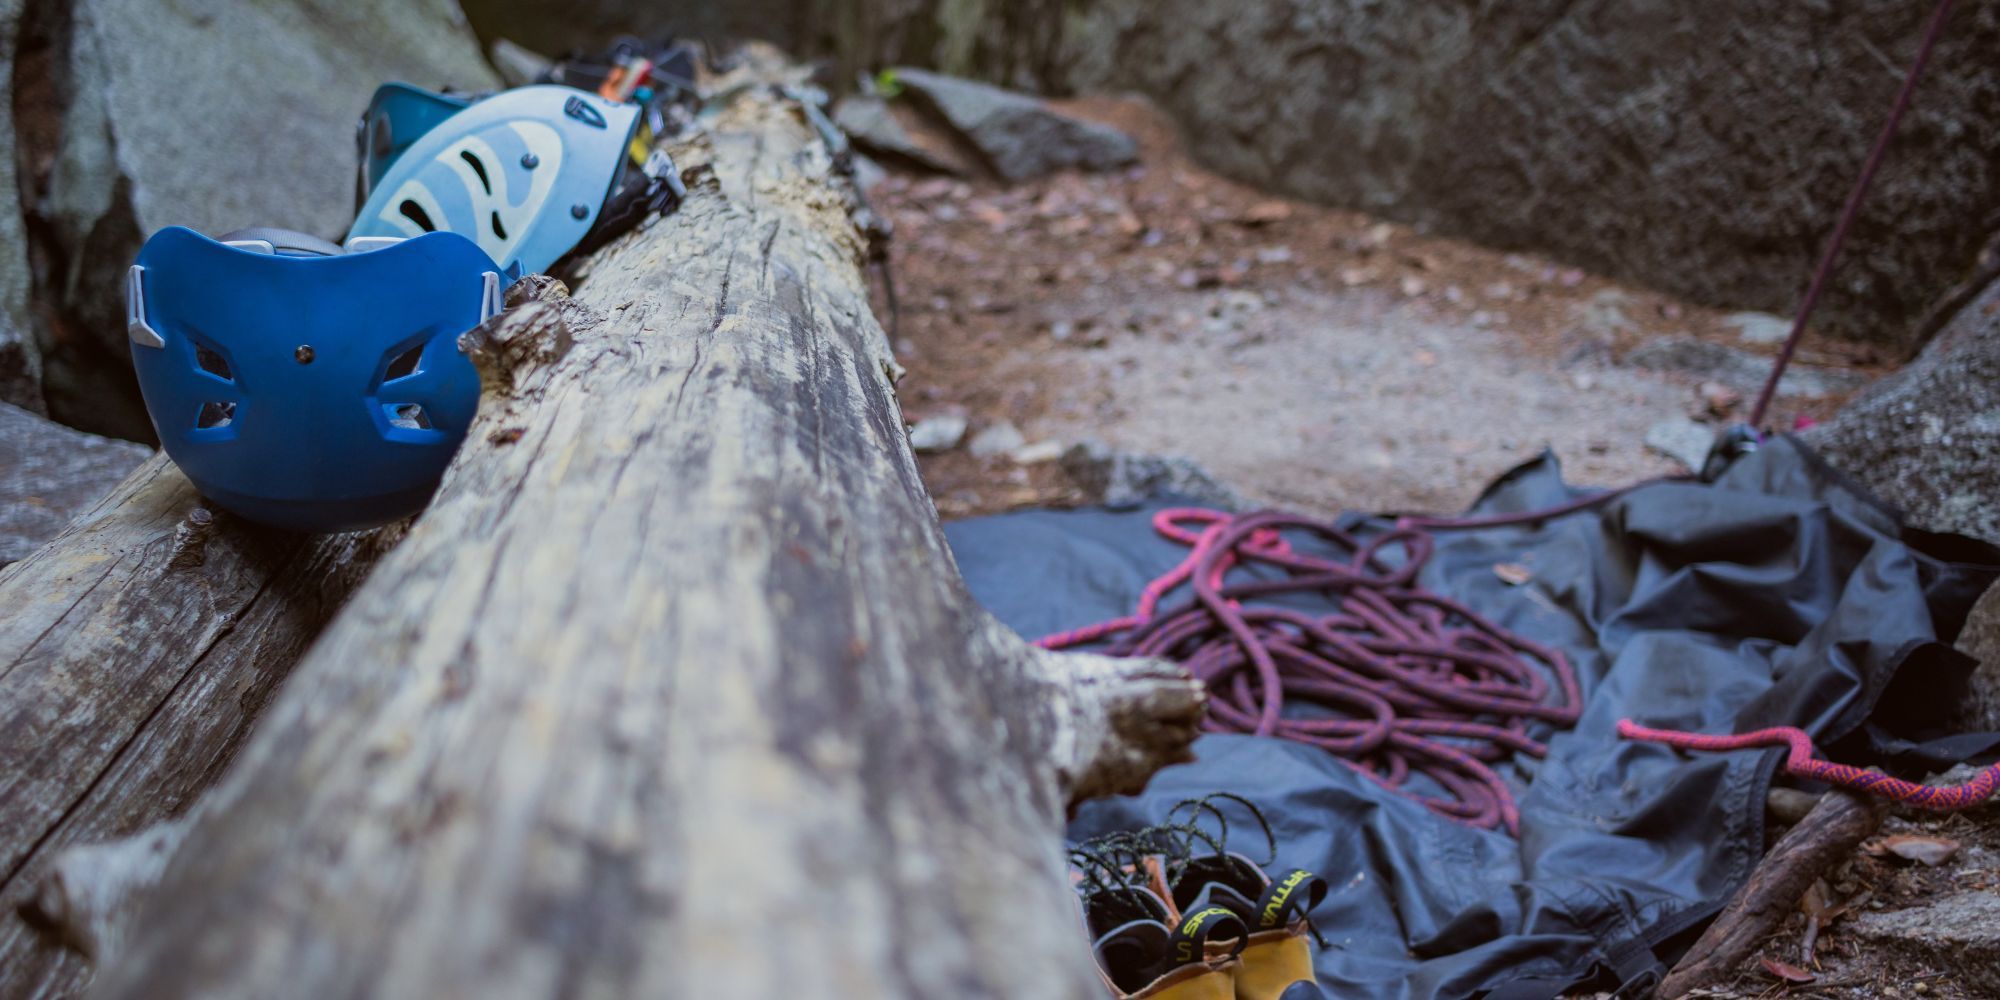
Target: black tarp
<point>1780,595</point>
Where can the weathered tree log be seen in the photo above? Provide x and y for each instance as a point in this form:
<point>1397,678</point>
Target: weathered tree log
<point>1828,835</point>
<point>136,649</point>
<point>674,690</point>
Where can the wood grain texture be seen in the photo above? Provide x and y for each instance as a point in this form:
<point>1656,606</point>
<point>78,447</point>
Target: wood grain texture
<point>675,689</point>
<point>136,650</point>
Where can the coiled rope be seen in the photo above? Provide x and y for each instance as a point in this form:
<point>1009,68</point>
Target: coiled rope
<point>1394,680</point>
<point>1400,681</point>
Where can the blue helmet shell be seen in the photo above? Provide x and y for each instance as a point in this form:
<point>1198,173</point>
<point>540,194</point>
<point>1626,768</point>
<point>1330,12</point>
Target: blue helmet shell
<point>308,390</point>
<point>397,116</point>
<point>523,173</point>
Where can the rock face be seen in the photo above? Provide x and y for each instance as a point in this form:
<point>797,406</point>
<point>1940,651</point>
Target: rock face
<point>554,27</point>
<point>20,360</point>
<point>1699,146</point>
<point>870,123</point>
<point>1126,479</point>
<point>215,115</point>
<point>1960,932</point>
<point>1925,439</point>
<point>1739,370</point>
<point>49,474</point>
<point>1018,136</point>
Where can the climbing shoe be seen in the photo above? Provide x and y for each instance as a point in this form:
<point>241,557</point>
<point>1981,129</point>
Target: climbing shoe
<point>1276,955</point>
<point>1144,949</point>
<point>1143,952</point>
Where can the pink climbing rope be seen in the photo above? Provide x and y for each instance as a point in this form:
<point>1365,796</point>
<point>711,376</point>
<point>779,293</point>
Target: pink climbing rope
<point>1393,679</point>
<point>1823,274</point>
<point>1801,763</point>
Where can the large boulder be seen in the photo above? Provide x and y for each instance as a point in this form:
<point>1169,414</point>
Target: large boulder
<point>1018,136</point>
<point>873,126</point>
<point>214,115</point>
<point>20,360</point>
<point>49,474</point>
<point>1703,147</point>
<point>1925,440</point>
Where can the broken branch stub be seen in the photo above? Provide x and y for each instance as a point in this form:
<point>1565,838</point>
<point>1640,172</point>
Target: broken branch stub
<point>675,687</point>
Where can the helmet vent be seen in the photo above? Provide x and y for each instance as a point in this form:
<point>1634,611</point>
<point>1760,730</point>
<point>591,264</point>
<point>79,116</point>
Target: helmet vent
<point>213,363</point>
<point>405,364</point>
<point>498,229</point>
<point>415,213</point>
<point>409,416</point>
<point>477,168</point>
<point>215,415</point>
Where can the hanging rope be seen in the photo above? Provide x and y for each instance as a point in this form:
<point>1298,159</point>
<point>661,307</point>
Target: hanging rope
<point>1393,679</point>
<point>1850,212</point>
<point>1800,763</point>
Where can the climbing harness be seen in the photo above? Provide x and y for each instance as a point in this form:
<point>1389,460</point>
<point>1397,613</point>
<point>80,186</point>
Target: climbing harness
<point>306,385</point>
<point>631,69</point>
<point>661,78</point>
<point>1396,681</point>
<point>531,174</point>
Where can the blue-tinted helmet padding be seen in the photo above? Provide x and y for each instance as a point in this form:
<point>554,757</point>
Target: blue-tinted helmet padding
<point>397,116</point>
<point>523,173</point>
<point>355,436</point>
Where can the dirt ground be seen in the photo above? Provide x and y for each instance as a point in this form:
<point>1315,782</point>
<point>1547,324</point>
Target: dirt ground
<point>1866,948</point>
<point>1312,358</point>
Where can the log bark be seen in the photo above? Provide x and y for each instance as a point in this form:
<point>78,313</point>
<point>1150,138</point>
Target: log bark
<point>1828,835</point>
<point>674,690</point>
<point>136,649</point>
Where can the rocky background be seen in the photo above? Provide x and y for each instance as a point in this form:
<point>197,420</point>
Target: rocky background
<point>1588,208</point>
<point>131,115</point>
<point>1701,148</point>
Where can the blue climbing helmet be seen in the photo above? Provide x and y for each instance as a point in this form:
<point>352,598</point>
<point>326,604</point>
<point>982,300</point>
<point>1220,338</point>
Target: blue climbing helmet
<point>307,385</point>
<point>397,116</point>
<point>530,174</point>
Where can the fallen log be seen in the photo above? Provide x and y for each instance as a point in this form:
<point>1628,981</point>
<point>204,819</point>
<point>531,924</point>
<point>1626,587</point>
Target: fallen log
<point>1825,837</point>
<point>674,690</point>
<point>136,649</point>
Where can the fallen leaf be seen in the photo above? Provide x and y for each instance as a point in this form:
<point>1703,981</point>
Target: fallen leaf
<point>1785,970</point>
<point>1817,900</point>
<point>1931,851</point>
<point>1513,573</point>
<point>1266,212</point>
